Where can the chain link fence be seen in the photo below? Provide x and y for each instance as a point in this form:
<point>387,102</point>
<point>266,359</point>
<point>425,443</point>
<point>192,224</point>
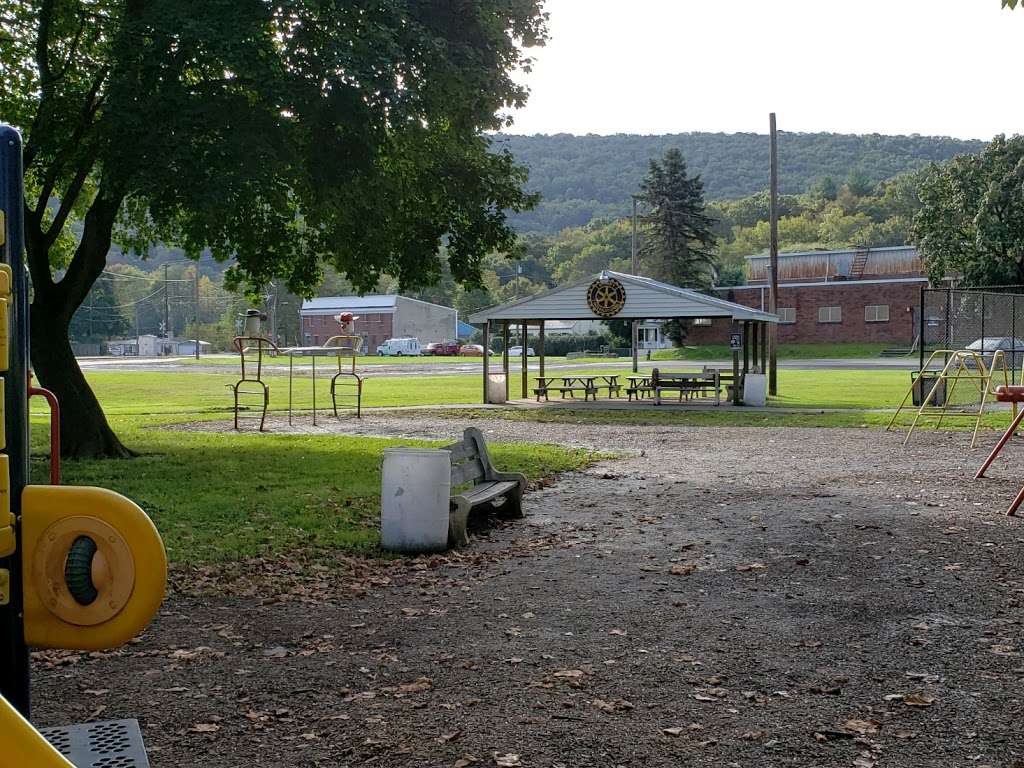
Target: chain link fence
<point>979,319</point>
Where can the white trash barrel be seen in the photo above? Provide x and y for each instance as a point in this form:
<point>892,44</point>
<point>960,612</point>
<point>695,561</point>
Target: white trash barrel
<point>415,488</point>
<point>755,389</point>
<point>497,391</point>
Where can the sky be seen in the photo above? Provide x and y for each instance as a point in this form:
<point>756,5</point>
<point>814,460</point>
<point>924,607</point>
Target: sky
<point>933,67</point>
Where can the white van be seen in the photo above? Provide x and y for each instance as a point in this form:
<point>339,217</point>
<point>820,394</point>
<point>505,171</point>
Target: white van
<point>399,347</point>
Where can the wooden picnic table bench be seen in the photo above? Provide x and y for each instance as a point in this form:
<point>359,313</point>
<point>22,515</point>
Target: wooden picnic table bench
<point>639,386</point>
<point>596,382</point>
<point>476,483</point>
<point>685,384</point>
<point>546,384</point>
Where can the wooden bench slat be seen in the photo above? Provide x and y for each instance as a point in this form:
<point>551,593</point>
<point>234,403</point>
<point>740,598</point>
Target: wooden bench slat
<point>486,491</point>
<point>460,452</point>
<point>467,471</point>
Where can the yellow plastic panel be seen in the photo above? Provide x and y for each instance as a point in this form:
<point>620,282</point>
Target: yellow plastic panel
<point>3,421</point>
<point>3,334</point>
<point>136,571</point>
<point>6,280</point>
<point>23,745</point>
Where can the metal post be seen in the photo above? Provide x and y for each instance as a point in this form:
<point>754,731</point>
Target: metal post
<point>764,343</point>
<point>523,347</point>
<point>920,321</point>
<point>635,325</point>
<point>540,347</point>
<point>14,667</point>
<point>746,347</point>
<point>487,357</point>
<point>735,371</point>
<point>504,353</point>
<point>167,306</point>
<point>754,328</point>
<point>773,259</point>
<point>196,314</point>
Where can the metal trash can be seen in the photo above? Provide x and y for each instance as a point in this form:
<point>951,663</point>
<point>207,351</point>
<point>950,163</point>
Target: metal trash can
<point>755,390</point>
<point>922,385</point>
<point>414,498</point>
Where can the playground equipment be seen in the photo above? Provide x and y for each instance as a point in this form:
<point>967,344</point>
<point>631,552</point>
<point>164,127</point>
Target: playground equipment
<point>80,568</point>
<point>1015,395</point>
<point>252,343</point>
<point>939,402</point>
<point>346,384</point>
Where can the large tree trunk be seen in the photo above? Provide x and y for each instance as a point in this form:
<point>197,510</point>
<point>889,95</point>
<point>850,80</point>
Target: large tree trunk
<point>84,431</point>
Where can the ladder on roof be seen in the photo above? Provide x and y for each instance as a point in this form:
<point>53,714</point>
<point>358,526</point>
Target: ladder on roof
<point>860,261</point>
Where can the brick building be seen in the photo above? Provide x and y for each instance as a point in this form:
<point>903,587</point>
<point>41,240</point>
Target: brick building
<point>380,318</point>
<point>841,296</point>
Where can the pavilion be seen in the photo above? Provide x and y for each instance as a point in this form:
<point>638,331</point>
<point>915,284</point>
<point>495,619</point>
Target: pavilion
<point>617,296</point>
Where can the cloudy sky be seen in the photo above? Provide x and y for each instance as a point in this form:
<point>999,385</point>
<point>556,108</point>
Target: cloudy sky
<point>935,67</point>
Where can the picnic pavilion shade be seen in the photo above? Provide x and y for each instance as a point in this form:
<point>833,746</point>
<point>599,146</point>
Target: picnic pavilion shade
<point>644,299</point>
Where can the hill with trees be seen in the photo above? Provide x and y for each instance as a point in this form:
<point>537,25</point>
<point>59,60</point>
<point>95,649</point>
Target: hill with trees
<point>581,178</point>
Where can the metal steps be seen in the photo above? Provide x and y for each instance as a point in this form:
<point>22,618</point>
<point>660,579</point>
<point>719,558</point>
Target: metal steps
<point>106,744</point>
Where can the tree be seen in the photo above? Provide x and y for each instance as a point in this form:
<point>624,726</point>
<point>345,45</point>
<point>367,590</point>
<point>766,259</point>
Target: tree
<point>284,135</point>
<point>678,242</point>
<point>971,220</point>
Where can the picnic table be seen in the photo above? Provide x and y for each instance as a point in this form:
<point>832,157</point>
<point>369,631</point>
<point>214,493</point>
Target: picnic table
<point>545,384</point>
<point>639,385</point>
<point>609,382</point>
<point>685,384</point>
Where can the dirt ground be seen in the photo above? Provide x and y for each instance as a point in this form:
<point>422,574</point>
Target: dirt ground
<point>719,597</point>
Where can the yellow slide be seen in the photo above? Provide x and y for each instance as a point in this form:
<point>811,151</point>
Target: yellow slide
<point>21,745</point>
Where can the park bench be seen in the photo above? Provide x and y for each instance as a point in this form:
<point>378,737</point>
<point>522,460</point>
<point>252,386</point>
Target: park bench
<point>685,384</point>
<point>639,386</point>
<point>476,483</point>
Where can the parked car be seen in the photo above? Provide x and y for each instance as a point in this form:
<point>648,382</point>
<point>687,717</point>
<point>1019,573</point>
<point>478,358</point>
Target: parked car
<point>471,350</point>
<point>518,352</point>
<point>399,347</point>
<point>439,348</point>
<point>1013,349</point>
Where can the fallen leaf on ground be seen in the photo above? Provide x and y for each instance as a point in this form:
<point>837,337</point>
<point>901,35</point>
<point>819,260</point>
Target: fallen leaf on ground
<point>751,567</point>
<point>205,728</point>
<point>672,731</point>
<point>918,699</point>
<point>507,761</point>
<point>682,569</point>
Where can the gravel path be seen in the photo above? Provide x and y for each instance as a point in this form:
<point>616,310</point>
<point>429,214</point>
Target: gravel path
<point>717,597</point>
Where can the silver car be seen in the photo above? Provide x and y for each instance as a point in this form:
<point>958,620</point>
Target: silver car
<point>1012,347</point>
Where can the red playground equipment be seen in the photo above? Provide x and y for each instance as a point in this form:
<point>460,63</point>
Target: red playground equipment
<point>1015,395</point>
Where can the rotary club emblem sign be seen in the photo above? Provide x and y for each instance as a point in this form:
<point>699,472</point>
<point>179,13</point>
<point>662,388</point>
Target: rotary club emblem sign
<point>606,298</point>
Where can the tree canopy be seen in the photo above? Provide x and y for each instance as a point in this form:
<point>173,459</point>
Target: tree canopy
<point>971,221</point>
<point>282,135</point>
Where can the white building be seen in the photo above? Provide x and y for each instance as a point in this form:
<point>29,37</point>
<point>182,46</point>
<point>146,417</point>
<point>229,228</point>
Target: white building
<point>381,317</point>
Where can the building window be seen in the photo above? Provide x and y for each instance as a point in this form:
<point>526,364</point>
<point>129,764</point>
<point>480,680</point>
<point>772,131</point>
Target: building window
<point>701,322</point>
<point>787,314</point>
<point>830,314</point>
<point>876,313</point>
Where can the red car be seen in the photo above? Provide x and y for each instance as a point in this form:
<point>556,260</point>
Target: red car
<point>441,348</point>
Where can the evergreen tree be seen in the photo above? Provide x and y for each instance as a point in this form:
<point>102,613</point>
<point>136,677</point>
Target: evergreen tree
<point>678,238</point>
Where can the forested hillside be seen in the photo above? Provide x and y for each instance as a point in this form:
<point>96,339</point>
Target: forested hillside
<point>585,177</point>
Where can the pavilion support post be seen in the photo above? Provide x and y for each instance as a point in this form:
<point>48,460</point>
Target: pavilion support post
<point>523,348</point>
<point>504,353</point>
<point>487,358</point>
<point>735,369</point>
<point>635,325</point>
<point>746,347</point>
<point>540,348</point>
<point>764,347</point>
<point>754,345</point>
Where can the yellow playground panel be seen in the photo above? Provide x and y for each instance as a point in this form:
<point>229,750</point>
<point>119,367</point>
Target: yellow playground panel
<point>963,388</point>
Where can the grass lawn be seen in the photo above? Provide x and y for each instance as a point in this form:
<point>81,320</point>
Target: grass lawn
<point>126,393</point>
<point>224,496</point>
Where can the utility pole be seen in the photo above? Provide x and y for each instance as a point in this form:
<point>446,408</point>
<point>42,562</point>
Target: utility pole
<point>773,258</point>
<point>632,244</point>
<point>167,306</point>
<point>195,315</point>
